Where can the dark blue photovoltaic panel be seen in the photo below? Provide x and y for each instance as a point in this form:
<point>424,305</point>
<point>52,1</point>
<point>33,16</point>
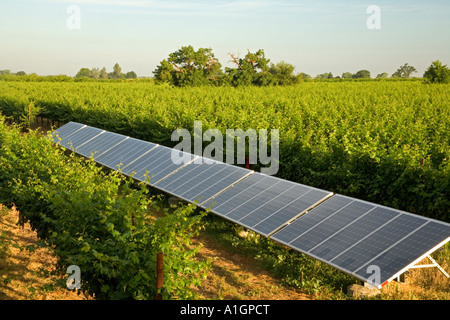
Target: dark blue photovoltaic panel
<point>225,197</point>
<point>199,181</point>
<point>407,250</point>
<point>147,161</point>
<point>349,234</point>
<point>157,164</point>
<point>66,130</point>
<point>228,200</point>
<point>354,232</point>
<point>277,205</point>
<point>82,136</point>
<point>264,203</point>
<point>124,153</point>
<point>331,225</point>
<point>286,207</point>
<point>375,243</point>
<point>352,235</point>
<point>100,144</point>
<point>215,183</point>
<point>311,219</point>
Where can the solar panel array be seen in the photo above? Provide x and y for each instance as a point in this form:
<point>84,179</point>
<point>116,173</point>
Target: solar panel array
<point>350,234</point>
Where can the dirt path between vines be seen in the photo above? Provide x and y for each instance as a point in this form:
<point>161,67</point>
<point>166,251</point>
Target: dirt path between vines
<point>27,275</point>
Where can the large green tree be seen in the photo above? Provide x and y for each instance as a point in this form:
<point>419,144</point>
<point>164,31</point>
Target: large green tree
<point>188,67</point>
<point>362,74</point>
<point>382,75</point>
<point>283,73</point>
<point>95,73</point>
<point>303,75</point>
<point>131,75</point>
<point>347,75</point>
<point>404,71</point>
<point>117,71</point>
<point>437,73</point>
<point>252,69</point>
<point>103,74</point>
<point>326,75</point>
<point>83,73</point>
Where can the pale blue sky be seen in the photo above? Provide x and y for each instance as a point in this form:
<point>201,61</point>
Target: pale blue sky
<point>315,36</point>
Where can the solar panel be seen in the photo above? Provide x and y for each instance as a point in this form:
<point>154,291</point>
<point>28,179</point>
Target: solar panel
<point>265,203</point>
<point>66,130</point>
<point>82,136</point>
<point>348,233</point>
<point>409,250</point>
<point>124,154</point>
<point>100,144</point>
<point>229,199</point>
<point>376,242</point>
<point>197,182</point>
<point>155,165</point>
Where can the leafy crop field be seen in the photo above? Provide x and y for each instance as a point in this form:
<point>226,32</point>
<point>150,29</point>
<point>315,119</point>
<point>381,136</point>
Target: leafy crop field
<point>382,141</point>
<point>97,220</point>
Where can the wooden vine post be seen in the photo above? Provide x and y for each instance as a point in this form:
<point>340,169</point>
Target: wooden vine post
<point>159,274</point>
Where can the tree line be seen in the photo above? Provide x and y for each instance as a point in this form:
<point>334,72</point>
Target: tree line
<point>83,73</point>
<point>190,67</point>
<point>97,73</point>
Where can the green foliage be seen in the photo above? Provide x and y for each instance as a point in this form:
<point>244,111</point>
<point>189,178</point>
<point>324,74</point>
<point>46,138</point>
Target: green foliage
<point>303,75</point>
<point>437,73</point>
<point>83,73</point>
<point>326,75</point>
<point>95,73</point>
<point>187,67</point>
<point>35,78</point>
<point>29,114</point>
<point>404,71</point>
<point>103,74</point>
<point>347,75</point>
<point>131,75</point>
<point>4,241</point>
<point>362,74</point>
<point>98,221</point>
<point>253,69</point>
<point>291,267</point>
<point>358,137</point>
<point>117,71</point>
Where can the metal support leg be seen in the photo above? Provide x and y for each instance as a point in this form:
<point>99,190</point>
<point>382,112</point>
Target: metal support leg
<point>438,266</point>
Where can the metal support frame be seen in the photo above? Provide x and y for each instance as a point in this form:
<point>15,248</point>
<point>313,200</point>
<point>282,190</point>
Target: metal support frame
<point>401,277</point>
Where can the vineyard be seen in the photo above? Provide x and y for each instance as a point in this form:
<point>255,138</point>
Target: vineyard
<point>381,141</point>
<point>98,221</point>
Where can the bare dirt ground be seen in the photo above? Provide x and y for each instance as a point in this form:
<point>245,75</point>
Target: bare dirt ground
<point>27,274</point>
<point>234,276</point>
